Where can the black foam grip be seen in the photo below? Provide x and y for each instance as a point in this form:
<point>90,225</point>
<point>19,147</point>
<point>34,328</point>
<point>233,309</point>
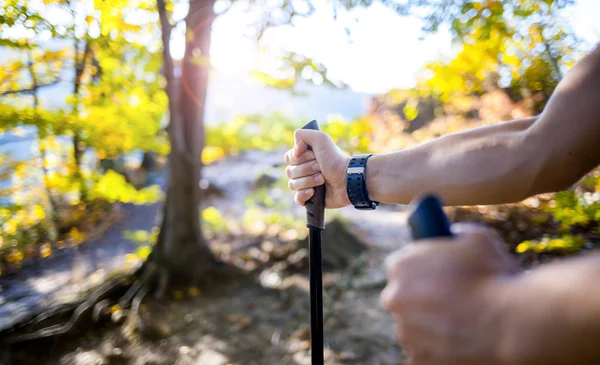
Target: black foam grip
<point>428,219</point>
<point>315,207</point>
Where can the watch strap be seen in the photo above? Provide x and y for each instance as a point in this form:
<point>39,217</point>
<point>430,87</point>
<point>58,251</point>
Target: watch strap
<point>356,183</point>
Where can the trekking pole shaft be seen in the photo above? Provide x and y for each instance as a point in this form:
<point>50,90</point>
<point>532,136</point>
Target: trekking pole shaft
<point>316,298</point>
<point>315,221</point>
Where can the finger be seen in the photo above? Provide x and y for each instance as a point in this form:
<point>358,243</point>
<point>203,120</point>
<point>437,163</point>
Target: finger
<point>386,297</point>
<point>478,235</point>
<point>306,137</point>
<point>401,258</point>
<point>305,169</point>
<point>291,159</point>
<point>302,196</point>
<point>487,247</point>
<point>306,182</point>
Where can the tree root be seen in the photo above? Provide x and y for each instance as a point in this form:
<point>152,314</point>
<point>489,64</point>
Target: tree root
<point>59,329</point>
<point>150,277</point>
<point>98,302</point>
<point>134,312</point>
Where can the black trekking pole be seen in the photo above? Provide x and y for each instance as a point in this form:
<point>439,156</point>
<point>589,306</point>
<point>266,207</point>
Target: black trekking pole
<point>315,221</point>
<point>428,219</point>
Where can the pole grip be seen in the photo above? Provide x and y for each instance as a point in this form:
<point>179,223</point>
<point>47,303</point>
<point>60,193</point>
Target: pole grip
<point>315,206</point>
<point>428,219</point>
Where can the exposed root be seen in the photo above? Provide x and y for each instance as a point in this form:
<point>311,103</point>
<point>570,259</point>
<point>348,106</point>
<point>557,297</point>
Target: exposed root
<point>100,307</point>
<point>134,312</point>
<point>60,329</point>
<point>50,313</point>
<point>150,278</point>
<point>163,281</point>
<point>97,302</point>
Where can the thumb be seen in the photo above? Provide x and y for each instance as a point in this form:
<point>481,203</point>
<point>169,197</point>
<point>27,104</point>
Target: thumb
<point>305,137</point>
<point>478,235</point>
<point>484,243</point>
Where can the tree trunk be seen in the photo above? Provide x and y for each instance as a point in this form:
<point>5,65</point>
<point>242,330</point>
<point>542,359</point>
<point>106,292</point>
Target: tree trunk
<point>181,248</point>
<point>78,147</point>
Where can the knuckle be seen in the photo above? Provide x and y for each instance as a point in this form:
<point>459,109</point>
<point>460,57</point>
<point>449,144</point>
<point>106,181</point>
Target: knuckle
<point>307,168</point>
<point>288,172</point>
<point>291,185</point>
<point>387,297</point>
<point>398,261</point>
<point>321,136</point>
<point>393,297</point>
<point>298,200</point>
<point>309,155</point>
<point>287,157</point>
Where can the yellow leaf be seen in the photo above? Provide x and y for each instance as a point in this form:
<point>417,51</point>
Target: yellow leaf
<point>143,252</point>
<point>131,258</point>
<point>193,292</point>
<point>410,110</point>
<point>212,153</point>
<point>38,212</point>
<point>45,250</point>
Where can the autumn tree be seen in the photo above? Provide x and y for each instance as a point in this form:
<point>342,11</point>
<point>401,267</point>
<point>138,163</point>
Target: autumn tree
<point>105,67</point>
<point>523,47</point>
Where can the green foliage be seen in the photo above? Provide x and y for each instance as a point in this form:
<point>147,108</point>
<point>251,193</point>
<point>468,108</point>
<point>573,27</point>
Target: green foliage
<point>564,244</point>
<point>113,187</point>
<point>119,102</point>
<point>254,132</point>
<point>577,212</point>
<point>572,210</point>
<point>276,131</point>
<point>145,240</point>
<point>214,220</point>
<point>523,46</point>
<point>117,106</point>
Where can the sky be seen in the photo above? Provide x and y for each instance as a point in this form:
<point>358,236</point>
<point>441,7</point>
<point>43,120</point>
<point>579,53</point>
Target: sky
<point>385,51</point>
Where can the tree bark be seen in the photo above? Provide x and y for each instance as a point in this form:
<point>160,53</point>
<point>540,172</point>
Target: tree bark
<point>181,248</point>
<point>36,102</point>
<point>78,147</point>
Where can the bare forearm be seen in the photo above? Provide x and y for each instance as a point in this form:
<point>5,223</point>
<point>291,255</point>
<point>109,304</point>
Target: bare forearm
<point>551,316</point>
<point>480,166</point>
<point>507,162</point>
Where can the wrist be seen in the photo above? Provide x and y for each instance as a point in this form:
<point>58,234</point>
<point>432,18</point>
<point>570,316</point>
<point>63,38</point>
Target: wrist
<point>519,332</point>
<point>498,311</point>
<point>344,194</point>
<point>373,174</point>
<point>356,182</point>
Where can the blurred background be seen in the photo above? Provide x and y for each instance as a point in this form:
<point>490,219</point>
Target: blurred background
<point>98,126</point>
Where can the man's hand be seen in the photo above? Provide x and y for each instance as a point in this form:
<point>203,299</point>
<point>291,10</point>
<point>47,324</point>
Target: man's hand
<point>326,163</point>
<point>441,294</point>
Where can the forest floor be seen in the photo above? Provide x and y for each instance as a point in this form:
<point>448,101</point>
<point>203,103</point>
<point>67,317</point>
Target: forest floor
<point>262,320</point>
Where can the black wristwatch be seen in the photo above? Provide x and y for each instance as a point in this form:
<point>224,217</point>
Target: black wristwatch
<point>356,183</point>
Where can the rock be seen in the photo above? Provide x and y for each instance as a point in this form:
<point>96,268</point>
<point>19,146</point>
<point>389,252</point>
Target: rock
<point>340,245</point>
<point>117,357</point>
<point>266,179</point>
<point>85,358</point>
<point>210,189</point>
